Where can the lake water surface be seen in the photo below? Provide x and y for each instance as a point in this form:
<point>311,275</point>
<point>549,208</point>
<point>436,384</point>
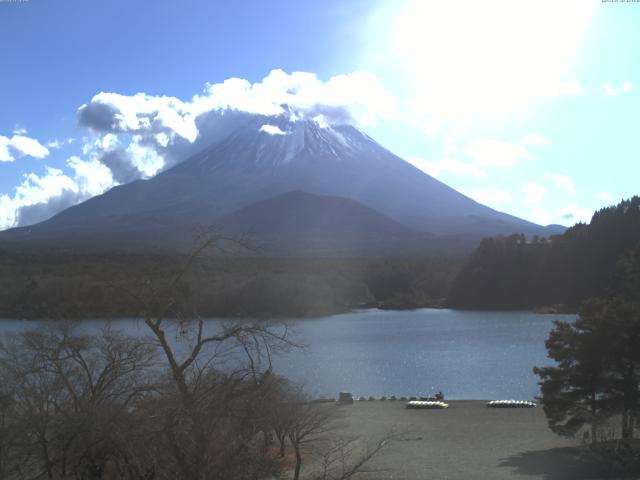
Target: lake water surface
<point>466,355</point>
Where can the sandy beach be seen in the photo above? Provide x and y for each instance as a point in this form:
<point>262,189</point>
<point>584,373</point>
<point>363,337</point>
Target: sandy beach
<point>465,441</point>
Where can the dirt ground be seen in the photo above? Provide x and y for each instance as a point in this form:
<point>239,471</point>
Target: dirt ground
<point>466,441</point>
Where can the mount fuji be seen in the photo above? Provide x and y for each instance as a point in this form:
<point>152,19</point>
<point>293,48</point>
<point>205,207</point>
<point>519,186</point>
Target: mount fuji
<point>294,185</point>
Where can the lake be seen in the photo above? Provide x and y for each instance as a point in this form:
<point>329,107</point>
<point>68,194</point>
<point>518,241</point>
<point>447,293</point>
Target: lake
<point>465,354</point>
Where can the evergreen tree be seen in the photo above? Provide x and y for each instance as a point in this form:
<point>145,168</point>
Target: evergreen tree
<point>513,273</point>
<point>572,391</point>
<point>597,374</point>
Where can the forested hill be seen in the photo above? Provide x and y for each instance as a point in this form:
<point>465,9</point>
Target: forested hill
<point>516,273</point>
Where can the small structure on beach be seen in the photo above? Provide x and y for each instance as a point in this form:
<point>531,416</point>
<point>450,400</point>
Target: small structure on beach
<point>345,398</point>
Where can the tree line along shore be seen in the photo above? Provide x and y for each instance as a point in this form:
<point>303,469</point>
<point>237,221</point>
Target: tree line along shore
<point>514,272</point>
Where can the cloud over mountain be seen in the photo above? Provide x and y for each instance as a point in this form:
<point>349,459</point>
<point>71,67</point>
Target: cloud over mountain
<point>358,97</point>
<point>130,137</point>
<point>147,133</point>
<point>39,197</point>
<point>138,136</point>
<point>139,114</point>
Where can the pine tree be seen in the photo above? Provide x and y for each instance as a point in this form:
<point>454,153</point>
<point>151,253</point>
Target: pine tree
<point>597,375</point>
<point>572,391</point>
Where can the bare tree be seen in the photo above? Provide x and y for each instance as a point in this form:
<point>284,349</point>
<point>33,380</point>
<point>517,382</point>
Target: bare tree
<point>279,397</point>
<point>194,400</point>
<point>309,422</point>
<point>315,428</point>
<point>70,394</point>
<point>343,458</point>
<point>210,418</point>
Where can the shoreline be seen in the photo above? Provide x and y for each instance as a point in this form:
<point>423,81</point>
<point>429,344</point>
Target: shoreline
<point>282,318</point>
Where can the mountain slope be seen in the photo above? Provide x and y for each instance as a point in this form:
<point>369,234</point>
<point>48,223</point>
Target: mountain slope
<point>299,223</point>
<point>295,224</point>
<point>300,213</point>
<point>251,165</point>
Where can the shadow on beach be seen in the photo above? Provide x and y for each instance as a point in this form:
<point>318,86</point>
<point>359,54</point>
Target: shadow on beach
<point>568,463</point>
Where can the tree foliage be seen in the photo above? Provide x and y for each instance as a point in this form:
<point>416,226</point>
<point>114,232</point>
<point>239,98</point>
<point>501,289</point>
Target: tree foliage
<point>597,371</point>
<point>519,273</point>
<point>57,284</point>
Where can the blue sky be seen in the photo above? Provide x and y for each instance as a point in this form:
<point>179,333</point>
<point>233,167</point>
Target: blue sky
<point>530,107</point>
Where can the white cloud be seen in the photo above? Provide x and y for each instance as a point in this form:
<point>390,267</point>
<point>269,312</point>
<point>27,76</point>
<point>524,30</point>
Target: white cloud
<point>494,153</point>
<point>570,89</point>
<point>106,142</point>
<point>541,216</point>
<point>503,153</point>
<point>356,97</point>
<point>127,157</point>
<point>604,196</point>
<point>446,165</point>
<point>56,144</point>
<point>448,146</point>
<point>533,193</point>
<point>7,212</point>
<point>610,89</point>
<point>534,140</point>
<point>431,128</point>
<point>139,114</point>
<point>145,159</point>
<point>34,190</point>
<point>91,177</point>
<point>562,181</point>
<point>139,135</point>
<point>573,213</point>
<point>38,197</point>
<point>19,146</point>
<point>490,196</point>
<point>565,215</point>
<point>272,130</point>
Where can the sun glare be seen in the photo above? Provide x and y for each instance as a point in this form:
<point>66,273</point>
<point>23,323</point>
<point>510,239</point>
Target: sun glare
<point>477,58</point>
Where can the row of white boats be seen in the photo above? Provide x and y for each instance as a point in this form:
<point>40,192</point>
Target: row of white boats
<point>427,405</point>
<point>511,404</point>
<point>431,405</point>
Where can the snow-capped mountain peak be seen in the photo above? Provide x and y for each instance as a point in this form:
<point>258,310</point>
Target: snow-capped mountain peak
<point>263,157</point>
